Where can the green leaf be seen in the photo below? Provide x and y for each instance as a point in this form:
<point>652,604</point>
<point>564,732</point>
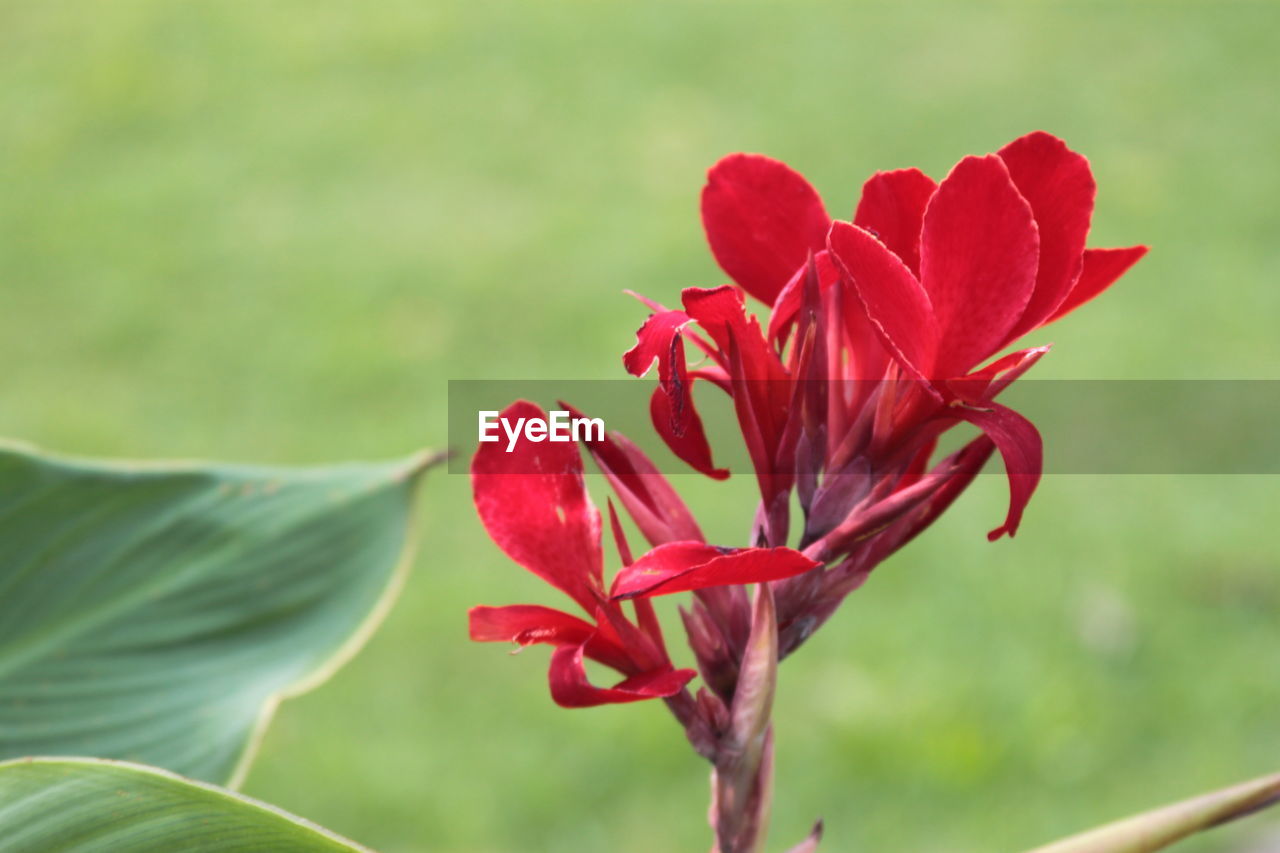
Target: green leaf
<point>87,805</point>
<point>158,614</point>
<point>1155,830</point>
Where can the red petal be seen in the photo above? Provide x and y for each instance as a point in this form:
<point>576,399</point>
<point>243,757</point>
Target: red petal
<point>571,689</point>
<point>659,308</point>
<point>1019,444</point>
<point>979,253</point>
<point>687,440</point>
<point>648,497</point>
<point>526,624</point>
<point>619,535</point>
<point>894,301</point>
<point>545,521</point>
<point>762,220</point>
<point>658,340</point>
<point>1101,268</point>
<point>684,566</point>
<point>671,406</point>
<point>1058,185</point>
<point>761,389</point>
<point>892,207</point>
<point>986,383</point>
<point>722,314</point>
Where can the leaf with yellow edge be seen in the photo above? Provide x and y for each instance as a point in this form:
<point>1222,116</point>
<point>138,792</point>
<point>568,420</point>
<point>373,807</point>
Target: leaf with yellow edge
<point>87,805</point>
<point>158,613</point>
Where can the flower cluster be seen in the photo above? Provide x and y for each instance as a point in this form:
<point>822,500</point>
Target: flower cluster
<point>883,333</point>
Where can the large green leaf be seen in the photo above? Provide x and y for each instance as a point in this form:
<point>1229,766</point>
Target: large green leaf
<point>1155,830</point>
<point>159,613</point>
<point>84,805</point>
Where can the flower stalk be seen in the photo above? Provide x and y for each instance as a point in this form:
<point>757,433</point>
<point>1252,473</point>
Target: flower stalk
<point>742,778</point>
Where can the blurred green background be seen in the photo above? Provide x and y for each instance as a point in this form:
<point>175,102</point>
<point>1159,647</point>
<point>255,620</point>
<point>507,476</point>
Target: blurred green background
<point>272,231</point>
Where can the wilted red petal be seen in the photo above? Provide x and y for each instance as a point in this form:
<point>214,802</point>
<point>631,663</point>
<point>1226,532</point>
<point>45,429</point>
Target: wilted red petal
<point>658,340</point>
<point>1020,446</point>
<point>545,521</point>
<point>671,406</point>
<point>762,219</point>
<point>1058,185</point>
<point>571,689</point>
<point>1101,269</point>
<point>684,566</point>
<point>658,308</point>
<point>895,302</point>
<point>978,257</point>
<point>892,207</point>
<point>687,440</point>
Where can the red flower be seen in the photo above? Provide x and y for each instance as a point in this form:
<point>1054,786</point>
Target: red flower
<point>874,343</point>
<point>901,305</point>
<point>881,336</point>
<point>534,504</point>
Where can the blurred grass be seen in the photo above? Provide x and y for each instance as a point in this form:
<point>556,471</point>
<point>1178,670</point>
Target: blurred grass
<point>272,231</point>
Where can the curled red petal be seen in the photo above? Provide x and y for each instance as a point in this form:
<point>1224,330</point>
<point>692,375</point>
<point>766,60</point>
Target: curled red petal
<point>1020,447</point>
<point>684,566</point>
<point>534,504</point>
<point>571,689</point>
<point>892,207</point>
<point>762,220</point>
<point>1059,186</point>
<point>657,340</point>
<point>978,258</point>
<point>1101,269</point>
<point>894,301</point>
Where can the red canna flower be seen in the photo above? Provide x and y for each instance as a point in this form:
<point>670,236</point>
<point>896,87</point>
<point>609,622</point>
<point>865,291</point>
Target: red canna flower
<point>875,343</point>
<point>883,333</point>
